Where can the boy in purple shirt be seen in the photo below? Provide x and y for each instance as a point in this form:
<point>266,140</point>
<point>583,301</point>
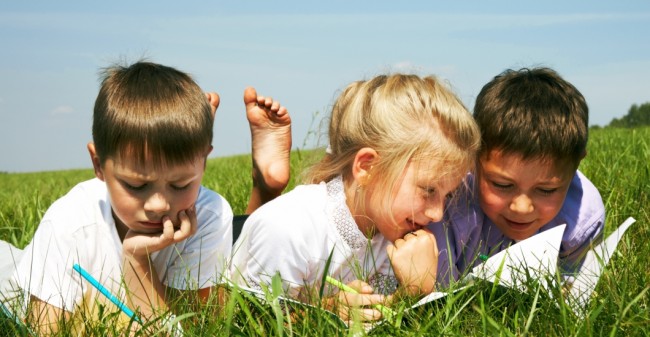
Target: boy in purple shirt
<point>534,130</point>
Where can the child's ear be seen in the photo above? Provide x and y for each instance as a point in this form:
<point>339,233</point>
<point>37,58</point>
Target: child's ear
<point>95,159</point>
<point>363,161</point>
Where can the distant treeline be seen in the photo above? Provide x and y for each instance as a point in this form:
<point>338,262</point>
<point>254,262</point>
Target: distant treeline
<point>637,116</point>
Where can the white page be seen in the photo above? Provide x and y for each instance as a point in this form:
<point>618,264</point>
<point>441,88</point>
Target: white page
<point>592,268</point>
<point>436,295</point>
<point>536,256</point>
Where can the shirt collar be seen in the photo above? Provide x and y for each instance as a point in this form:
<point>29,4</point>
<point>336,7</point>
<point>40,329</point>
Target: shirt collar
<point>340,215</point>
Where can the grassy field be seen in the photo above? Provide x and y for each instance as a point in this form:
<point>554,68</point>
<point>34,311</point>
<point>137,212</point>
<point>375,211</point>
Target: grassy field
<point>618,163</point>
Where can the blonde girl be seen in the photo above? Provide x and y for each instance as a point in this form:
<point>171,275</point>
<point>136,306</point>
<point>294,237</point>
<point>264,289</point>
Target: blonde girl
<point>399,145</point>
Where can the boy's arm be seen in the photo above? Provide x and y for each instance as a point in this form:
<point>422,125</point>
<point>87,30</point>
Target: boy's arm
<point>415,262</point>
<point>146,292</point>
<point>45,268</point>
<point>45,317</point>
<point>585,219</point>
<point>572,257</point>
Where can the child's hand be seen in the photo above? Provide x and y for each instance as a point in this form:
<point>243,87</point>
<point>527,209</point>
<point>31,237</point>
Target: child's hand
<point>141,245</point>
<point>415,261</point>
<point>359,306</point>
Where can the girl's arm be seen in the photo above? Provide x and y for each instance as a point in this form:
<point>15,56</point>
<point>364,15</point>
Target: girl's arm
<point>415,262</point>
<point>359,303</point>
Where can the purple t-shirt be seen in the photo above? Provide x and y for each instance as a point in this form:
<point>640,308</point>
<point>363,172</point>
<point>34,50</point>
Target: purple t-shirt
<point>467,232</point>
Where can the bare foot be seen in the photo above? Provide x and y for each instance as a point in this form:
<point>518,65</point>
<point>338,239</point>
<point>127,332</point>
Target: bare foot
<point>270,125</point>
<point>213,99</point>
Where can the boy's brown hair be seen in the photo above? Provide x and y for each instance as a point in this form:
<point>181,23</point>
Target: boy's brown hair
<point>151,113</point>
<point>534,113</point>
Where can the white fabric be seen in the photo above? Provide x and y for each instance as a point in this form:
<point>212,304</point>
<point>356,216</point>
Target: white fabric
<point>9,258</point>
<point>295,234</point>
<point>79,228</point>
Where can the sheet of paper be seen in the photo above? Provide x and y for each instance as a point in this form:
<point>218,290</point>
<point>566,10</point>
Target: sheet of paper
<point>594,264</point>
<point>536,256</point>
<point>436,295</point>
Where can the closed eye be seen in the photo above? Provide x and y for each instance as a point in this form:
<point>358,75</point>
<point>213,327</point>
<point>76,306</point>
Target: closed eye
<point>450,196</point>
<point>181,188</point>
<point>134,187</point>
<point>546,191</point>
<point>501,186</point>
<point>428,191</point>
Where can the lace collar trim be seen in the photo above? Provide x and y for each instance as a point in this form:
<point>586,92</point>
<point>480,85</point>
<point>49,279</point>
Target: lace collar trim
<point>340,215</point>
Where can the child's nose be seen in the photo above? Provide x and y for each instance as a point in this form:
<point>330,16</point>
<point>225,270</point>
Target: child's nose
<point>521,204</point>
<point>157,203</point>
<point>434,211</point>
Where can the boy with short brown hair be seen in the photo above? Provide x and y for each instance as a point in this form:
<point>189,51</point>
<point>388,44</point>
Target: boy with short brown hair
<point>145,225</point>
<point>534,131</point>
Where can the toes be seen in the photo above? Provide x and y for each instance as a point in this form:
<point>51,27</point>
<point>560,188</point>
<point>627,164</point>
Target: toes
<point>282,111</point>
<point>268,102</point>
<point>250,96</point>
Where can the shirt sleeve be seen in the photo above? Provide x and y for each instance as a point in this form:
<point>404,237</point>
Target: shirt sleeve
<point>574,250</point>
<point>384,281</point>
<point>45,270</point>
<point>584,214</point>
<point>458,237</point>
<point>272,244</point>
<point>447,271</point>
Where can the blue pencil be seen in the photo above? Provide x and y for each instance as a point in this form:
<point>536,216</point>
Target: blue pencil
<point>106,293</point>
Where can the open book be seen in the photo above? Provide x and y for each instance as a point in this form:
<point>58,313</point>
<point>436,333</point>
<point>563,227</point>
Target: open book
<point>535,257</point>
<point>592,267</point>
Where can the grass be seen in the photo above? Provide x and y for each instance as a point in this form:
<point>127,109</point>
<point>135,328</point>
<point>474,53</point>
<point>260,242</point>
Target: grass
<point>618,163</point>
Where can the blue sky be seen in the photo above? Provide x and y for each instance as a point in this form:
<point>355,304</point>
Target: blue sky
<point>301,53</point>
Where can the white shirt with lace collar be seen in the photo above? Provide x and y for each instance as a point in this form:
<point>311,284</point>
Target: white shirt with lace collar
<point>295,235</point>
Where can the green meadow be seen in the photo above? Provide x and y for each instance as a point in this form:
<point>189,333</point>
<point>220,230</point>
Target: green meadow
<point>618,163</point>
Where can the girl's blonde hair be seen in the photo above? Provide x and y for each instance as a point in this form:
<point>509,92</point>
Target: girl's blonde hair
<point>403,118</point>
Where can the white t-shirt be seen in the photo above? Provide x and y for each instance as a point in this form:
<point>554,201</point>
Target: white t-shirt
<point>79,229</point>
<point>295,234</point>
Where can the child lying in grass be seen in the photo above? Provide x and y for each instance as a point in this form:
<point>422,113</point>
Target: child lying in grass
<point>399,145</point>
<point>145,227</point>
<point>534,131</point>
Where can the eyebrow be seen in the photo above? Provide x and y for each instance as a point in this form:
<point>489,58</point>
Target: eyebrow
<point>497,174</point>
<point>491,175</point>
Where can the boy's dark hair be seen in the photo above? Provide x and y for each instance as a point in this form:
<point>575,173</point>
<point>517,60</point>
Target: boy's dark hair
<point>151,112</point>
<point>534,113</point>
